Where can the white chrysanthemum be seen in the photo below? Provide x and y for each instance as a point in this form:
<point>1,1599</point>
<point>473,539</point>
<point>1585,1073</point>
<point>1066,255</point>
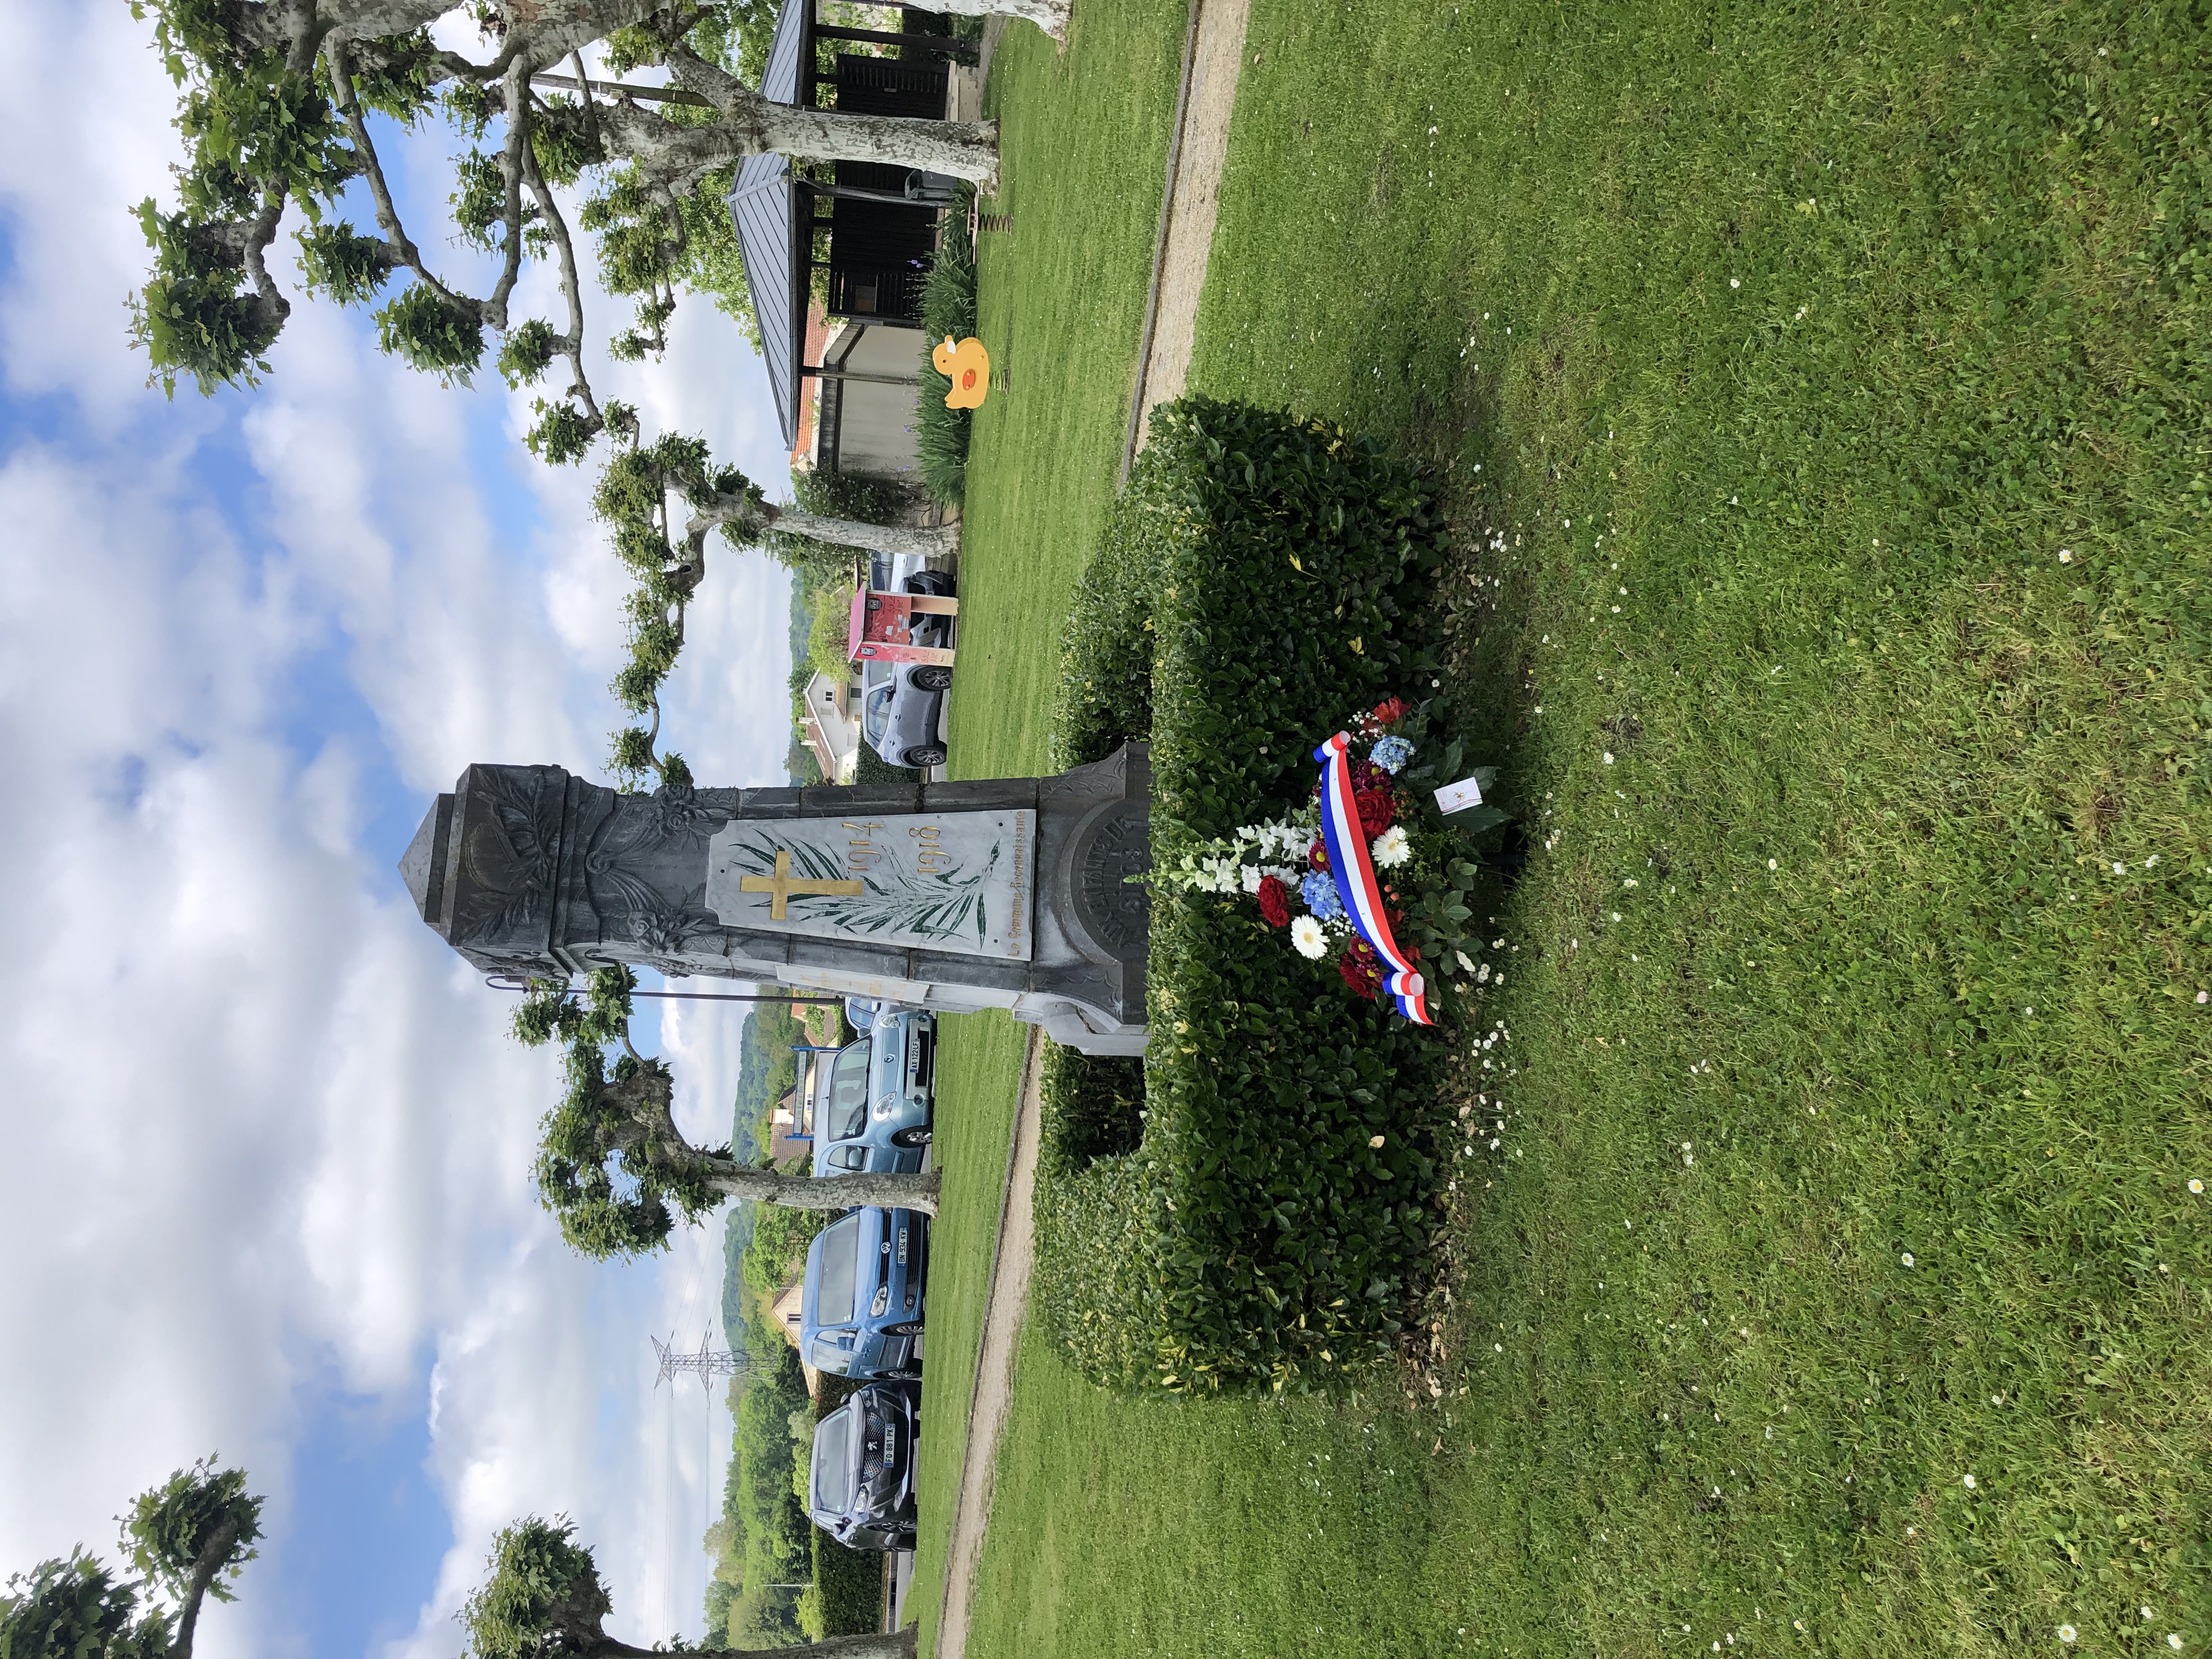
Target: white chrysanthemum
<point>1307,938</point>
<point>1391,849</point>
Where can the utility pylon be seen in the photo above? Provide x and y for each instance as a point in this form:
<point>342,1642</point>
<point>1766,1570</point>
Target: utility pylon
<point>707,1364</point>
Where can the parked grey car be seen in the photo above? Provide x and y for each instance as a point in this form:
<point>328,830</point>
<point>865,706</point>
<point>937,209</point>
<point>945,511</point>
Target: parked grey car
<point>902,703</point>
<point>859,1485</point>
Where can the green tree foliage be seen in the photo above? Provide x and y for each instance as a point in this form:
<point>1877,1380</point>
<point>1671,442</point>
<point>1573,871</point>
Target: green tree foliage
<point>543,1597</point>
<point>611,1163</point>
<point>828,634</point>
<point>633,500</point>
<point>186,1538</point>
<point>613,1167</point>
<point>275,115</point>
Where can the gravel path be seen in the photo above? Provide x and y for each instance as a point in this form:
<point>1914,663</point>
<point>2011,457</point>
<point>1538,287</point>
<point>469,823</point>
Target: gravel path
<point>1213,55</point>
<point>994,1367</point>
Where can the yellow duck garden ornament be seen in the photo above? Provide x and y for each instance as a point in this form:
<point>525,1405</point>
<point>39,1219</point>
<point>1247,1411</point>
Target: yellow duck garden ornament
<point>968,365</point>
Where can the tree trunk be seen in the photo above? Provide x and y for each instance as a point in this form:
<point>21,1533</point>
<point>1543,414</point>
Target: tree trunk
<point>1050,16</point>
<point>926,540</point>
<point>965,150</point>
<point>902,1192</point>
<point>897,1645</point>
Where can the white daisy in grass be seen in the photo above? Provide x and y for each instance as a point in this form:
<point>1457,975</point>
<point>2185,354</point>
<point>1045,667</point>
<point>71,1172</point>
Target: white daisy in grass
<point>1307,938</point>
<point>1391,848</point>
<point>2067,1633</point>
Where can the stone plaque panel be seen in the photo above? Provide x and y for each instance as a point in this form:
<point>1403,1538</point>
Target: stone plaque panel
<point>958,882</point>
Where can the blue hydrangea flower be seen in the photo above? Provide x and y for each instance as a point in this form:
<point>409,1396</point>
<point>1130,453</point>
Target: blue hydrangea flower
<point>1318,889</point>
<point>1391,754</point>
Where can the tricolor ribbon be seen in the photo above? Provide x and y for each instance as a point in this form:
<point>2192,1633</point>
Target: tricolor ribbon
<point>1354,872</point>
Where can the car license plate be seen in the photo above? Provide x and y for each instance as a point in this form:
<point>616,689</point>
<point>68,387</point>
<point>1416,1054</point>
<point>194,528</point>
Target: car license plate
<point>902,1247</point>
<point>890,1444</point>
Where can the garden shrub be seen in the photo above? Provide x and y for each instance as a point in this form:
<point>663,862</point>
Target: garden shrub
<point>1258,1236</point>
<point>1106,646</point>
<point>869,767</point>
<point>1092,1108</point>
<point>846,1595</point>
<point>948,310</point>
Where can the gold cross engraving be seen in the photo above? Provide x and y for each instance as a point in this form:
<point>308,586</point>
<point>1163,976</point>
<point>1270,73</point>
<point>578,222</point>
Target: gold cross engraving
<point>783,885</point>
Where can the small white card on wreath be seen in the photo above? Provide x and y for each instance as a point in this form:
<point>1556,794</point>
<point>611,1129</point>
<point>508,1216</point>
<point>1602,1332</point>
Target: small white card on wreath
<point>1458,797</point>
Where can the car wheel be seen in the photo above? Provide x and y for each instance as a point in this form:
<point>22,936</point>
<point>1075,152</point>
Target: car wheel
<point>903,1376</point>
<point>928,754</point>
<point>934,678</point>
<point>910,1138</point>
<point>906,1328</point>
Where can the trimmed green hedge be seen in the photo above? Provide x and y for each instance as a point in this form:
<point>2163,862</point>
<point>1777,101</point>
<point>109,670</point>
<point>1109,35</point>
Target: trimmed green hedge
<point>1091,1108</point>
<point>1261,581</point>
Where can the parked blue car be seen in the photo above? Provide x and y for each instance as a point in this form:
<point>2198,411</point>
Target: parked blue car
<point>860,1307</point>
<point>875,1111</point>
<point>859,1485</point>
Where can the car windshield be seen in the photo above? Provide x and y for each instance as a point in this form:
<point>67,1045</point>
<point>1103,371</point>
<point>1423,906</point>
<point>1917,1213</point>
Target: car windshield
<point>847,1113</point>
<point>833,1463</point>
<point>841,1271</point>
<point>877,712</point>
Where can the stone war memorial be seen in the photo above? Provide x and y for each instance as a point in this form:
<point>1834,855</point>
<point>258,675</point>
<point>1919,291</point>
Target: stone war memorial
<point>1013,893</point>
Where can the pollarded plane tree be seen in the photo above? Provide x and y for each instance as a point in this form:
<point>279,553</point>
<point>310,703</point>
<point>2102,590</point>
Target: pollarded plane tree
<point>661,501</point>
<point>613,1167</point>
<point>277,97</point>
<point>277,117</point>
<point>543,1597</point>
<point>187,1539</point>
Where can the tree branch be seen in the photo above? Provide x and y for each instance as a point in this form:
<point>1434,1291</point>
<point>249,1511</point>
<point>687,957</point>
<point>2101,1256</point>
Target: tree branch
<point>338,54</point>
<point>517,90</point>
<point>572,289</point>
<point>214,1555</point>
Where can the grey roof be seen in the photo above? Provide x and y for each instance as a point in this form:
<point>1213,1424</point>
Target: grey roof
<point>766,212</point>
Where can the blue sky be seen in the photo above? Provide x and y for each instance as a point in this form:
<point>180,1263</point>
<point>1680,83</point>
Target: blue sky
<point>268,1193</point>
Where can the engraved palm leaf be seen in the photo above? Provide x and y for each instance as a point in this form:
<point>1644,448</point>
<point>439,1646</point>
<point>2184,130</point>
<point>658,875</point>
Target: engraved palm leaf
<point>926,905</point>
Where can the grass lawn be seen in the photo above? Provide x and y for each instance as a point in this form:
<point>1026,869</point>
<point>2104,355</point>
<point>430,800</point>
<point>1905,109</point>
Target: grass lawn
<point>1084,135</point>
<point>1855,1070</point>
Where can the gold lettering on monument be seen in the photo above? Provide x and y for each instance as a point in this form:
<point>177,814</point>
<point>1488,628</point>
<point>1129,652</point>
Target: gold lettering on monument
<point>930,855</point>
<point>1019,890</point>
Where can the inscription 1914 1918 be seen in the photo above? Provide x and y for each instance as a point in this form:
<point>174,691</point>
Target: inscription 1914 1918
<point>1010,893</point>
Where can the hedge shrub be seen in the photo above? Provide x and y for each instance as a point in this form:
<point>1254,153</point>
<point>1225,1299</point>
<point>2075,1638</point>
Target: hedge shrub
<point>1091,1108</point>
<point>1264,579</point>
<point>948,310</point>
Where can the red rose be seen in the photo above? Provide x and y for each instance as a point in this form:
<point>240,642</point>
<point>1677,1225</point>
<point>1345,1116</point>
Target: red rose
<point>1317,856</point>
<point>1390,710</point>
<point>1375,812</point>
<point>1275,901</point>
<point>1361,969</point>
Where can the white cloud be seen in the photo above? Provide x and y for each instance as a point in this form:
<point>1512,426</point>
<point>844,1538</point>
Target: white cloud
<point>263,1128</point>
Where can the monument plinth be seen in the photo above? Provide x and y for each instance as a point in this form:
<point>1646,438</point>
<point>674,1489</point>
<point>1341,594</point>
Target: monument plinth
<point>1008,894</point>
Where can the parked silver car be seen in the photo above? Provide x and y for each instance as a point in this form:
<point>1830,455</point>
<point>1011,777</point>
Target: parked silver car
<point>902,703</point>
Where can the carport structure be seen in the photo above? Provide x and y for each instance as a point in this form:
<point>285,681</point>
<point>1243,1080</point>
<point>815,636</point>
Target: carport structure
<point>880,221</point>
